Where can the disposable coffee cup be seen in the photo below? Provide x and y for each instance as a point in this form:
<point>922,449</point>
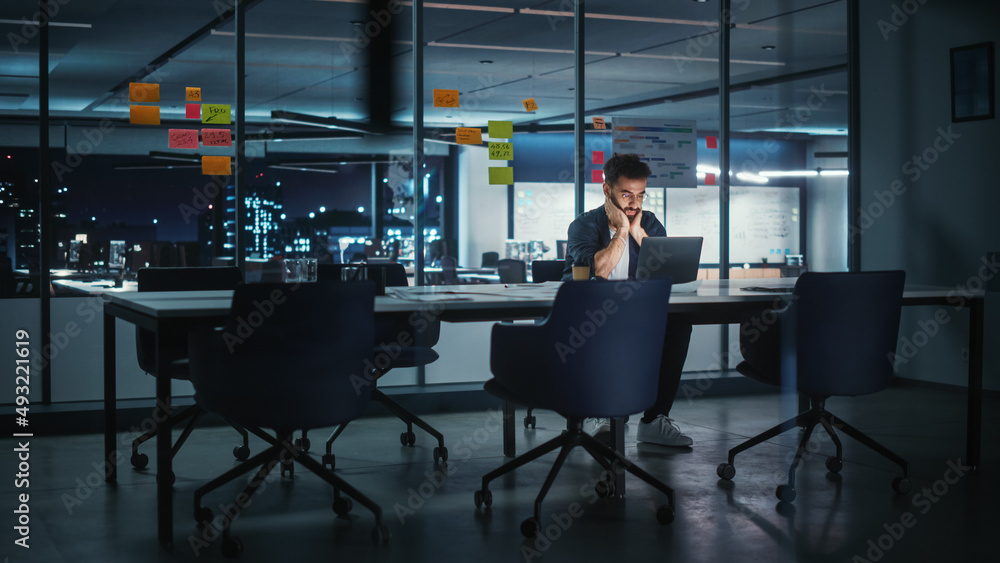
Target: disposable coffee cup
<point>581,272</point>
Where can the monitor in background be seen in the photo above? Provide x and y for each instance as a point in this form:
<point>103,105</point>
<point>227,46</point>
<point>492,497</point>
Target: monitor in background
<point>561,249</point>
<point>675,257</point>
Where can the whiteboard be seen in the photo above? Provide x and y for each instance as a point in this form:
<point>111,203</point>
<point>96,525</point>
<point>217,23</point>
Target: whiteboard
<point>544,210</point>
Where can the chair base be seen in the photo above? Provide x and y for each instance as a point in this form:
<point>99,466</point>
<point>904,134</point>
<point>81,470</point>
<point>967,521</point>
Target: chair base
<point>194,412</point>
<point>612,462</point>
<point>281,452</point>
<point>817,414</point>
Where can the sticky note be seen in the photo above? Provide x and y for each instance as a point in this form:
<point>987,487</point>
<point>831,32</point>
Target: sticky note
<point>468,135</point>
<point>598,157</point>
<point>501,151</point>
<point>216,138</point>
<point>709,179</point>
<point>183,138</point>
<point>142,92</point>
<point>192,111</point>
<point>597,176</point>
<point>445,98</point>
<point>711,142</point>
<point>529,104</point>
<point>502,129</point>
<point>599,123</point>
<point>215,113</point>
<point>144,115</point>
<point>192,94</point>
<point>501,175</point>
<point>216,165</point>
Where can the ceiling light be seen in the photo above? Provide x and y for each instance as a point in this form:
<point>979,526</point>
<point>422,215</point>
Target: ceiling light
<point>768,47</point>
<point>788,173</point>
<point>486,62</point>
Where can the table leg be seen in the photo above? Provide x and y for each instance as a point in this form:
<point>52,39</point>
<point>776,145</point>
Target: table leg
<point>110,402</point>
<point>164,459</point>
<point>974,423</point>
<point>508,429</point>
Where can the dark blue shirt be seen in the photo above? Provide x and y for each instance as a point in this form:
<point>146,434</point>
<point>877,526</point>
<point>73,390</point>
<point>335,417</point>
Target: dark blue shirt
<point>589,234</point>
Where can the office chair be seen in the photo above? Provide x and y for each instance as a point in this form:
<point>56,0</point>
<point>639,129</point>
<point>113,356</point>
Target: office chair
<point>449,275</point>
<point>411,338</point>
<point>547,270</point>
<point>295,371</point>
<point>536,365</point>
<point>490,259</point>
<point>835,338</point>
<point>512,271</point>
<point>174,347</point>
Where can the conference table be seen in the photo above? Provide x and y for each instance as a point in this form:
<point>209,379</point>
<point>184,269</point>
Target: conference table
<point>713,302</point>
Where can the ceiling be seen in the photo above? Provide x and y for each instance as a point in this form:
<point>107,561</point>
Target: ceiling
<point>643,57</point>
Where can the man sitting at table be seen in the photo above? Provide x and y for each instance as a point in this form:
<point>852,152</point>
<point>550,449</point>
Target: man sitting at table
<point>608,239</point>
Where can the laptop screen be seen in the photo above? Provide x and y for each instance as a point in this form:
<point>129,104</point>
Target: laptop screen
<point>675,257</point>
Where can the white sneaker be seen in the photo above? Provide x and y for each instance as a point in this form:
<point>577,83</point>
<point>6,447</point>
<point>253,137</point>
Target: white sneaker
<point>662,431</point>
<point>599,428</point>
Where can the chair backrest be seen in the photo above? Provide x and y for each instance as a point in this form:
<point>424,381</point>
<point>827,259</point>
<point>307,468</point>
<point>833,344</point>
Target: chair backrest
<point>512,271</point>
<point>292,356</point>
<point>490,259</point>
<point>844,327</point>
<point>597,354</point>
<point>547,270</point>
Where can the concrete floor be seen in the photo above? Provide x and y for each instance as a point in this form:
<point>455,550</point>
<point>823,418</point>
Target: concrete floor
<point>850,516</point>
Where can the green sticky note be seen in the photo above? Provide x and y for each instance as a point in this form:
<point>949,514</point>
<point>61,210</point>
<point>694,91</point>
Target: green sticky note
<point>215,113</point>
<point>501,151</point>
<point>501,175</point>
<point>502,129</point>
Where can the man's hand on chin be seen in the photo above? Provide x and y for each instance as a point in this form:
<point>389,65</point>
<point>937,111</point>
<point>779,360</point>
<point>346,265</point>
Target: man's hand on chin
<point>635,227</point>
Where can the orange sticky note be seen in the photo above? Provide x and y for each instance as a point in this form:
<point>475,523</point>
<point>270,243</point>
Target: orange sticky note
<point>192,111</point>
<point>468,135</point>
<point>142,92</point>
<point>193,94</point>
<point>144,115</point>
<point>529,104</point>
<point>216,138</point>
<point>445,98</point>
<point>216,165</point>
<point>599,123</point>
<point>183,138</point>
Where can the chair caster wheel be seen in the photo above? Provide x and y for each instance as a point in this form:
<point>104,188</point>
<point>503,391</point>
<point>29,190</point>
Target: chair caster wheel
<point>725,471</point>
<point>139,461</point>
<point>232,547</point>
<point>785,493</point>
<point>302,444</point>
<point>664,515</point>
<point>529,421</point>
<point>901,485</point>
<point>605,489</point>
<point>342,506</point>
<point>329,461</point>
<point>834,464</point>
<point>168,478</point>
<point>289,467</point>
<point>381,535</point>
<point>530,527</point>
<point>484,497</point>
<point>407,438</point>
<point>440,454</point>
<point>241,453</point>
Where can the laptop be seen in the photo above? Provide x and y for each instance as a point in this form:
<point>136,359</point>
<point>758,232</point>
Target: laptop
<point>675,257</point>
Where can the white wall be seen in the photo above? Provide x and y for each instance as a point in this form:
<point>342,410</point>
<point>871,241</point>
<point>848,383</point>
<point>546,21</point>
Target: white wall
<point>482,208</point>
<point>826,208</point>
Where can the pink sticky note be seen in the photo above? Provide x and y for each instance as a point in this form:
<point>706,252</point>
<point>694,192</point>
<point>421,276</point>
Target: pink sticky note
<point>711,142</point>
<point>597,176</point>
<point>183,138</point>
<point>598,157</point>
<point>193,111</point>
<point>216,138</point>
<point>709,179</point>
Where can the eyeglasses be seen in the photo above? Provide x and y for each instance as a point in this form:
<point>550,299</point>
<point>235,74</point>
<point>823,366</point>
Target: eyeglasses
<point>632,197</point>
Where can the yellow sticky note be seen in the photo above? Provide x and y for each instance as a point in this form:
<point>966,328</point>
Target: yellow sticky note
<point>216,165</point>
<point>215,113</point>
<point>193,94</point>
<point>501,175</point>
<point>445,98</point>
<point>142,92</point>
<point>599,123</point>
<point>501,151</point>
<point>144,115</point>
<point>529,104</point>
<point>468,135</point>
<point>502,129</point>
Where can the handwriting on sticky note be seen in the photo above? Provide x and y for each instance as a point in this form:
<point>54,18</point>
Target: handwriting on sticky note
<point>183,138</point>
<point>529,104</point>
<point>501,175</point>
<point>445,98</point>
<point>501,129</point>
<point>216,137</point>
<point>144,115</point>
<point>215,113</point>
<point>501,151</point>
<point>192,94</point>
<point>142,92</point>
<point>192,111</point>
<point>599,123</point>
<point>216,165</point>
<point>468,135</point>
